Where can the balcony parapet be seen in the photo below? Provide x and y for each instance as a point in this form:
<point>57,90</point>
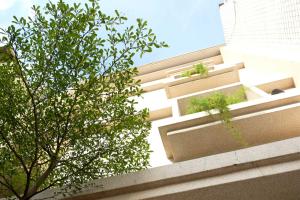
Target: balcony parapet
<point>156,80</point>
<point>176,86</point>
<point>253,170</point>
<point>254,118</point>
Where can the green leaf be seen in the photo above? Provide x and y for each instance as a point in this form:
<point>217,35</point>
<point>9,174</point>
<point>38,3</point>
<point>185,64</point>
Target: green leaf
<point>117,13</point>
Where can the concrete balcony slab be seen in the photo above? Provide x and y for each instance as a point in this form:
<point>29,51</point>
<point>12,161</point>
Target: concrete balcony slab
<point>176,87</point>
<point>268,172</point>
<point>244,108</point>
<point>256,128</point>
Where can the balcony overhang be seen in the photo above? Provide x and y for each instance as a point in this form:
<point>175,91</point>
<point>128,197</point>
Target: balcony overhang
<point>180,60</point>
<point>255,128</point>
<point>183,101</point>
<point>248,117</point>
<point>270,171</point>
<point>155,77</point>
<point>160,114</point>
<point>176,87</point>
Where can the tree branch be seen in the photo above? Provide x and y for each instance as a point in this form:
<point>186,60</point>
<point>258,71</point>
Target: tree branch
<point>9,186</point>
<point>14,151</point>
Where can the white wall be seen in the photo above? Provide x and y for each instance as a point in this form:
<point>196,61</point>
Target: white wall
<point>265,35</point>
<point>261,23</point>
<point>154,100</point>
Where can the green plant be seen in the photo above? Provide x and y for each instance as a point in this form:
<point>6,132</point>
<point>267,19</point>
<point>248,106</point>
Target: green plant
<point>237,97</point>
<point>66,116</point>
<point>197,69</point>
<point>219,102</point>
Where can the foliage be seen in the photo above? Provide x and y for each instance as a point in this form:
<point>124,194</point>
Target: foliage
<point>65,112</point>
<point>219,102</point>
<point>216,100</point>
<point>197,69</point>
<point>5,53</point>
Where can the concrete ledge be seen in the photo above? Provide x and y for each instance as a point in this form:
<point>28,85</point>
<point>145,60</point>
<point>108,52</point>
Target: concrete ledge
<point>160,114</point>
<point>163,73</point>
<point>201,118</point>
<point>180,60</point>
<point>183,101</point>
<point>151,83</point>
<point>255,128</point>
<point>283,84</point>
<point>207,172</point>
<point>216,78</point>
<point>259,183</point>
<point>209,63</point>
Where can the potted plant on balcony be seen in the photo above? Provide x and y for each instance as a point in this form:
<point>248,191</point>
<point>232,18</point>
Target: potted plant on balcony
<point>197,69</point>
<point>219,102</point>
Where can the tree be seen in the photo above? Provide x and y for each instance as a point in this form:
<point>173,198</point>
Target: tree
<point>66,112</point>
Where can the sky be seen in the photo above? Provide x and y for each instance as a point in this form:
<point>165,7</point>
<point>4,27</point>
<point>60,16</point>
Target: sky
<point>186,25</point>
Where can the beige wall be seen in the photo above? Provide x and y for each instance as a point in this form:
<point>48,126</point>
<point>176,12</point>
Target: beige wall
<point>262,65</point>
<point>265,64</point>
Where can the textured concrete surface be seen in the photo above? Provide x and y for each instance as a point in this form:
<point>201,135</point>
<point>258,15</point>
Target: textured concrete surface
<point>262,168</point>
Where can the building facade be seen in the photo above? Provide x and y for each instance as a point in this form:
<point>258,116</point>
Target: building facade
<point>194,155</point>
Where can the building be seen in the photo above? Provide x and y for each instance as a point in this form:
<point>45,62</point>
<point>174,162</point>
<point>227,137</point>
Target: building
<point>194,155</point>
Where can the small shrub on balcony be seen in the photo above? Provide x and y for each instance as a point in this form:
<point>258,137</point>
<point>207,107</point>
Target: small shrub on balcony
<point>215,101</point>
<point>197,69</point>
<point>220,102</point>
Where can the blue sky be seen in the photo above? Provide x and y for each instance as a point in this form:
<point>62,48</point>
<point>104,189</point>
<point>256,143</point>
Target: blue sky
<point>186,25</point>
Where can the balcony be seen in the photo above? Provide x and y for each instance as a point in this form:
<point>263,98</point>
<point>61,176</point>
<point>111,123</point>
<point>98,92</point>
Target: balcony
<point>262,119</point>
<point>220,75</point>
<point>156,80</point>
<point>183,102</point>
<point>177,86</point>
<point>284,84</point>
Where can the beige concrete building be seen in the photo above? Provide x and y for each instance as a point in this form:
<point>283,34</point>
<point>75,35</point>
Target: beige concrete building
<point>194,155</point>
